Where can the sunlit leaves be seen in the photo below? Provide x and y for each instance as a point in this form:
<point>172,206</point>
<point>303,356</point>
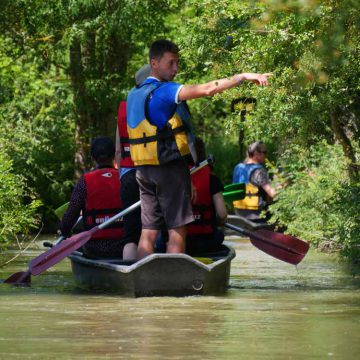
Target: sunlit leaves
<point>16,218</point>
<point>313,50</point>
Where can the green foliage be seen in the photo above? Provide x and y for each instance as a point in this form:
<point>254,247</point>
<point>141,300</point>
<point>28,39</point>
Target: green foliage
<point>15,217</point>
<point>348,231</point>
<point>318,203</point>
<point>48,97</point>
<point>311,189</point>
<point>311,64</point>
<point>312,48</point>
<point>226,154</point>
<point>36,128</point>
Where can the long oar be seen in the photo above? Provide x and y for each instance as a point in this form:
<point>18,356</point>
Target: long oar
<point>24,277</point>
<point>66,247</point>
<point>283,247</point>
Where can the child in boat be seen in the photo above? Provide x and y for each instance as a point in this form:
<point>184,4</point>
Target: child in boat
<point>96,197</point>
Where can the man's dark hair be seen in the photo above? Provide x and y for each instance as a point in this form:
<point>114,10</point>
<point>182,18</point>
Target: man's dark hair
<point>102,149</point>
<point>159,47</point>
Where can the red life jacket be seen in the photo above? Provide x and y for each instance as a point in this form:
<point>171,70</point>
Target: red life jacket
<point>102,202</point>
<point>125,159</point>
<point>203,209</point>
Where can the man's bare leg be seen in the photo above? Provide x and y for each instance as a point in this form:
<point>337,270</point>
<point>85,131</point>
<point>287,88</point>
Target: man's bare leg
<point>146,243</point>
<point>177,240</point>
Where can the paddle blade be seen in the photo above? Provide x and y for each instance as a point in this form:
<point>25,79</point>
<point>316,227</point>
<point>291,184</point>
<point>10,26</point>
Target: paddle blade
<point>230,196</point>
<point>291,242</point>
<point>283,247</point>
<point>60,251</point>
<point>277,253</point>
<point>234,187</point>
<point>19,278</point>
<point>60,211</point>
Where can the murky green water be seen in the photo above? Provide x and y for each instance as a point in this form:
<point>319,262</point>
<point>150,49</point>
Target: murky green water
<point>271,311</point>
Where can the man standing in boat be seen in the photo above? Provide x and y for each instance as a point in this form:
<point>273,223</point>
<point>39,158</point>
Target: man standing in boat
<point>258,190</point>
<point>160,140</point>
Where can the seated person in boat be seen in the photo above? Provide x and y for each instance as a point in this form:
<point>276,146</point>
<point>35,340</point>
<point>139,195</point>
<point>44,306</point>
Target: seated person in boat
<point>258,192</point>
<point>209,209</point>
<point>96,196</point>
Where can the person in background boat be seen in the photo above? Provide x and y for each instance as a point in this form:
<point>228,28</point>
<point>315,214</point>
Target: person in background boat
<point>160,138</point>
<point>209,209</point>
<point>258,192</point>
<point>96,197</point>
<point>129,192</point>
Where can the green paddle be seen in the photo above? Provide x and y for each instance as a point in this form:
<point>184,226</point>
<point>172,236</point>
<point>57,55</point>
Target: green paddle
<point>233,192</point>
<point>60,211</point>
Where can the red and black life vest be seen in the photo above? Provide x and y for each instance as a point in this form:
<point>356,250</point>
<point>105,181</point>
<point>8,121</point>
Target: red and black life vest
<point>102,202</point>
<point>203,209</point>
<point>125,158</point>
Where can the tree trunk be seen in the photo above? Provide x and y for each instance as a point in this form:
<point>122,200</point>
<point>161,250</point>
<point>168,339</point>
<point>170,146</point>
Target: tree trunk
<point>242,106</point>
<point>94,117</point>
<point>82,137</point>
<point>241,138</point>
<point>341,136</point>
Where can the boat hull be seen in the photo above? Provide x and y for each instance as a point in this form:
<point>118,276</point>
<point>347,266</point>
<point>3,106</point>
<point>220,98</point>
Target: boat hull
<point>156,275</point>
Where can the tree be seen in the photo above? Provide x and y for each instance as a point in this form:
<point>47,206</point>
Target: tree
<point>64,67</point>
<point>97,46</point>
<point>312,48</point>
<point>16,219</point>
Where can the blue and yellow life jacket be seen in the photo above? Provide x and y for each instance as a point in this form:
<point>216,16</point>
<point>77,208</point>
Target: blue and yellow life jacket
<point>254,196</point>
<point>150,145</point>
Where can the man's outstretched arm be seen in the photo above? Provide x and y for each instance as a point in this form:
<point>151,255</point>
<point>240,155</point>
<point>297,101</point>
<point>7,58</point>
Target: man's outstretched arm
<point>211,88</point>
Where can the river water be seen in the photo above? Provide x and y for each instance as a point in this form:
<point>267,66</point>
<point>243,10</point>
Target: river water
<point>272,310</point>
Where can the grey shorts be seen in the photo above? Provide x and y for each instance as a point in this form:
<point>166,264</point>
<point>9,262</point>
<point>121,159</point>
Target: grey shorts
<point>165,194</point>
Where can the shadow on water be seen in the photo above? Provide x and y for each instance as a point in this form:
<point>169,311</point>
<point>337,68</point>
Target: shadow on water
<point>272,310</point>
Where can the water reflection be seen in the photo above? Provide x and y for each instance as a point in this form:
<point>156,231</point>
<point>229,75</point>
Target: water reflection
<point>272,310</point>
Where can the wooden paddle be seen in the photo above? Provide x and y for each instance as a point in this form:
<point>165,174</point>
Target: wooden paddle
<point>66,247</point>
<point>283,247</point>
